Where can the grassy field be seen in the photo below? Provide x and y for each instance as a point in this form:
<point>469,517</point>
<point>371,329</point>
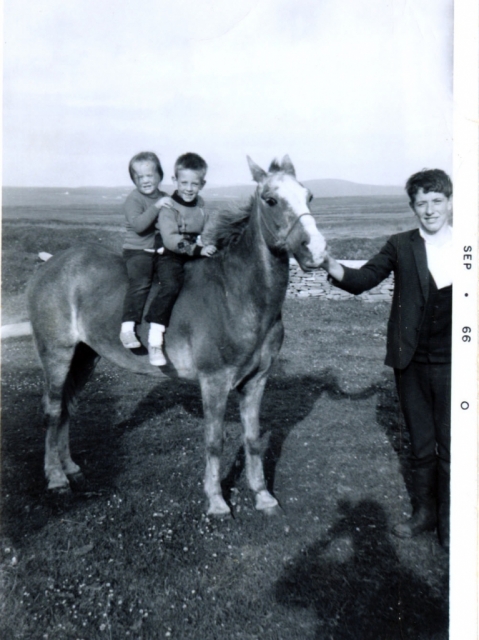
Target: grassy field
<point>131,554</point>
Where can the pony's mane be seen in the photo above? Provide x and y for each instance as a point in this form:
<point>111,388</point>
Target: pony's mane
<point>225,227</point>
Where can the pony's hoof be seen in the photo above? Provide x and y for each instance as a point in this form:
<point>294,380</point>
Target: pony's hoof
<point>58,482</point>
<point>59,492</point>
<point>265,501</point>
<point>218,507</point>
<point>77,480</point>
<point>273,512</point>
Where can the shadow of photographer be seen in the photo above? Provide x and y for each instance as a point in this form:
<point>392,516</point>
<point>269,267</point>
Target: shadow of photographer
<point>354,582</point>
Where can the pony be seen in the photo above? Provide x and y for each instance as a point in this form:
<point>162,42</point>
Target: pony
<point>225,330</point>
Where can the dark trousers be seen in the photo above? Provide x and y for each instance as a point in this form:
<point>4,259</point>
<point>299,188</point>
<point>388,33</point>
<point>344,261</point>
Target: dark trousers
<point>424,391</point>
<point>140,268</point>
<point>171,275</point>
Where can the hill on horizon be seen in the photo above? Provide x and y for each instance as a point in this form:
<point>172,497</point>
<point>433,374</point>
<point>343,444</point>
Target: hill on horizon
<point>320,188</point>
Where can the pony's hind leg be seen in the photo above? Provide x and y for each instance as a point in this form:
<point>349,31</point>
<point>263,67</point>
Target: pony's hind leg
<point>251,394</point>
<point>66,371</point>
<point>56,366</point>
<point>82,366</point>
<point>214,391</point>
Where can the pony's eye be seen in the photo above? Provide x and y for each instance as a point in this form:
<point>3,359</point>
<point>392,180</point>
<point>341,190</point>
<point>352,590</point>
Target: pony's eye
<point>310,197</point>
<point>271,202</point>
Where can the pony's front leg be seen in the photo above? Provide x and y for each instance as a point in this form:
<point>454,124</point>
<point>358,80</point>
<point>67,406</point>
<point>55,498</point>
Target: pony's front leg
<point>250,403</point>
<point>214,391</point>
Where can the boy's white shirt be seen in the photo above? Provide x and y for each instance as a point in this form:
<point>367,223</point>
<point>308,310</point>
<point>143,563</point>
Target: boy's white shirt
<point>439,259</point>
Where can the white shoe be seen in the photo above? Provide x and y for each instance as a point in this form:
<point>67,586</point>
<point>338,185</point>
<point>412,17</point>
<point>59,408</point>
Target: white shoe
<point>129,340</point>
<point>156,356</point>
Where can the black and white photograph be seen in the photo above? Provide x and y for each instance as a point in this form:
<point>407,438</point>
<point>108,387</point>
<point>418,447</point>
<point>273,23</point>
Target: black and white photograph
<point>239,318</point>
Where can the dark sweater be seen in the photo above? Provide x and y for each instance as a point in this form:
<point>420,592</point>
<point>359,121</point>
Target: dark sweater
<point>435,334</point>
<point>181,227</point>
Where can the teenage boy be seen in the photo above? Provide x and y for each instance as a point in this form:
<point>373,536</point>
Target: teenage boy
<point>419,341</point>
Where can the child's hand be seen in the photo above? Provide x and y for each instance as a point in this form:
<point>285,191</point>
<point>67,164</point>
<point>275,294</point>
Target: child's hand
<point>209,250</point>
<point>165,201</point>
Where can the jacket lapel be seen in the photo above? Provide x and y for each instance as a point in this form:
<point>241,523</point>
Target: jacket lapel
<point>419,251</point>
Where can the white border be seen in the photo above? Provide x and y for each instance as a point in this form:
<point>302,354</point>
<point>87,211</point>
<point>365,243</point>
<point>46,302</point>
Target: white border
<point>464,522</point>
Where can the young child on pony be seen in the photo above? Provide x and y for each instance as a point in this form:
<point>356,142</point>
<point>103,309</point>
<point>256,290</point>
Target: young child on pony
<point>141,210</point>
<point>180,230</point>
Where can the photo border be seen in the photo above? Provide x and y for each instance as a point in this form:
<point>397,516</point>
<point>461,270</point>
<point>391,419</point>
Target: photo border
<point>464,427</point>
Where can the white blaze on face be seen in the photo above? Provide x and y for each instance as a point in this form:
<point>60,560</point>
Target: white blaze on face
<point>297,198</point>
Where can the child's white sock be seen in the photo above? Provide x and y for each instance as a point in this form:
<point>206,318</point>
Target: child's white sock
<point>127,326</point>
<point>155,335</point>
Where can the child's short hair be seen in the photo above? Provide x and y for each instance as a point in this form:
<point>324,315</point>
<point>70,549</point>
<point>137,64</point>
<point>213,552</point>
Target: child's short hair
<point>145,156</point>
<point>191,161</point>
<point>429,180</point>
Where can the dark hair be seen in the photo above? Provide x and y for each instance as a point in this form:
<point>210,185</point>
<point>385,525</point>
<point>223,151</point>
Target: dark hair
<point>429,180</point>
<point>145,156</point>
<point>191,161</point>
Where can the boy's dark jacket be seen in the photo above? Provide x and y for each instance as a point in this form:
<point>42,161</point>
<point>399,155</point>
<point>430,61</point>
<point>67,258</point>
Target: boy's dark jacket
<point>405,255</point>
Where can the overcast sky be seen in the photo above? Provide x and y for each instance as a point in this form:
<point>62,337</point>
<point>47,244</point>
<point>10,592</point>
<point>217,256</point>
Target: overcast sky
<point>353,89</point>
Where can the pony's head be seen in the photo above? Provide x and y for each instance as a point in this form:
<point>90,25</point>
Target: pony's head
<point>286,220</point>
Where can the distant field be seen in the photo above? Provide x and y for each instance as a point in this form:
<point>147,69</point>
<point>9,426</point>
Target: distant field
<point>342,217</point>
<point>56,196</point>
<point>362,217</point>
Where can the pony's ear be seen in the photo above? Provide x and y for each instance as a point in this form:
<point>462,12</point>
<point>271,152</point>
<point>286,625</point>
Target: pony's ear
<point>287,166</point>
<point>256,171</point>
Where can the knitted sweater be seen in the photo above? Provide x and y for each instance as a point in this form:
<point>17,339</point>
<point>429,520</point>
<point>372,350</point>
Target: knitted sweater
<point>140,218</point>
<point>180,228</point>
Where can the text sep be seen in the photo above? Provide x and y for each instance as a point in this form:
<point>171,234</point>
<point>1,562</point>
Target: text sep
<point>467,256</point>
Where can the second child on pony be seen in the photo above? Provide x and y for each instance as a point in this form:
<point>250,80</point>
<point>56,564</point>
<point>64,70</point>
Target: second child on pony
<point>180,229</point>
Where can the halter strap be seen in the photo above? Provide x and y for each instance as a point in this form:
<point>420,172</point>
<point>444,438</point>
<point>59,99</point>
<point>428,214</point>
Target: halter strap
<point>280,243</point>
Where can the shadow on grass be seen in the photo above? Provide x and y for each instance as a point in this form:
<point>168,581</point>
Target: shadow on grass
<point>286,402</point>
<point>354,582</point>
<point>389,417</point>
<point>98,445</point>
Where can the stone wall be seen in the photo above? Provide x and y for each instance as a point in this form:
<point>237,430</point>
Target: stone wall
<point>315,284</point>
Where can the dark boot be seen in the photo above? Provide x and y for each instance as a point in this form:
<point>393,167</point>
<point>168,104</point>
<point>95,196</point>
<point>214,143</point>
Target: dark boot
<point>424,515</point>
<point>443,503</point>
